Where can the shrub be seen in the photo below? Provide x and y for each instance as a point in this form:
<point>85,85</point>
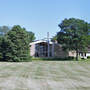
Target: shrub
<point>70,57</point>
<point>88,57</point>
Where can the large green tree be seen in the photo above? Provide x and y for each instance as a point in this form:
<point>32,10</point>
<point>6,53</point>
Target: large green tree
<point>73,35</point>
<point>16,44</point>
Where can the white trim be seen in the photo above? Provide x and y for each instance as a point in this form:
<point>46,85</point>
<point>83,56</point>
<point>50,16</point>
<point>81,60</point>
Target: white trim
<point>41,41</point>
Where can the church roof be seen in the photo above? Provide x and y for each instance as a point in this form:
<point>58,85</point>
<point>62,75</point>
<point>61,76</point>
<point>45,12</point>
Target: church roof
<point>40,41</point>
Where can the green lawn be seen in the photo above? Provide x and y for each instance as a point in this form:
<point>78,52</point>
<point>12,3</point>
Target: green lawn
<point>45,75</point>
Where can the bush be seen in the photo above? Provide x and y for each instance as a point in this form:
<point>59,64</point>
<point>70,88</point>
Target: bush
<point>88,57</point>
<point>1,57</point>
<point>53,59</point>
<point>70,57</point>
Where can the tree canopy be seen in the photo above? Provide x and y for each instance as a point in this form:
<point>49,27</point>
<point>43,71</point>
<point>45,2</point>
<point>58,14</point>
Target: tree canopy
<point>14,45</point>
<point>73,34</point>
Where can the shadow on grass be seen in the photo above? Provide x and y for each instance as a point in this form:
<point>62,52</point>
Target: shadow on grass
<point>16,61</point>
<point>54,59</point>
<point>47,59</point>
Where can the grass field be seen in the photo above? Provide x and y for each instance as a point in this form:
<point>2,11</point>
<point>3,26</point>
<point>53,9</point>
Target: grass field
<point>45,75</point>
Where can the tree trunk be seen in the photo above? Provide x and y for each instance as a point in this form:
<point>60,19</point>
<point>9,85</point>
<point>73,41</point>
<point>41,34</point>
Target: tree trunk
<point>76,55</point>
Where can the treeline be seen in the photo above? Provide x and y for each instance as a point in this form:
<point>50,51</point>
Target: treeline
<point>74,35</point>
<point>14,43</point>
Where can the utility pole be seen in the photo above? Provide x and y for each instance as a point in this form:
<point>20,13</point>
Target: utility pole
<point>48,44</point>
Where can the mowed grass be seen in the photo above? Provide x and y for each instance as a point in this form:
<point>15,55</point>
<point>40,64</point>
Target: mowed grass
<point>45,75</point>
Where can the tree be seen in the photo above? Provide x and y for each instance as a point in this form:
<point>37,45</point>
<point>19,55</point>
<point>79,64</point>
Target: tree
<point>4,49</point>
<point>73,35</point>
<point>89,29</point>
<point>31,36</point>
<point>88,39</point>
<point>1,55</point>
<point>16,44</point>
<point>4,30</point>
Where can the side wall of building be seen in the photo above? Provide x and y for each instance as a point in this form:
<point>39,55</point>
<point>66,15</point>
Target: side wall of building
<point>72,53</point>
<point>87,54</point>
<point>32,50</point>
<point>58,51</point>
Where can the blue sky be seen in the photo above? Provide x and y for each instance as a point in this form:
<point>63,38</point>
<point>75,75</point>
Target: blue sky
<point>42,16</point>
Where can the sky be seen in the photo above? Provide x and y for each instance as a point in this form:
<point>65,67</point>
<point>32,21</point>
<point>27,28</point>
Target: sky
<point>42,16</point>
